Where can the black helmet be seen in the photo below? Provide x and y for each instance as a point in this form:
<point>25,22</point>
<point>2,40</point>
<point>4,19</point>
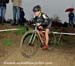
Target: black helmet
<point>37,8</point>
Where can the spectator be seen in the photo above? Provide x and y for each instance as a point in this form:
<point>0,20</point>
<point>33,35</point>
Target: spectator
<point>16,11</point>
<point>71,18</point>
<point>22,20</point>
<point>3,10</point>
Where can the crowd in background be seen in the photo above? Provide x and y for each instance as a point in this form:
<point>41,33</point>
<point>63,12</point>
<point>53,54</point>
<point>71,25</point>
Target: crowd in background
<point>18,13</point>
<point>3,10</point>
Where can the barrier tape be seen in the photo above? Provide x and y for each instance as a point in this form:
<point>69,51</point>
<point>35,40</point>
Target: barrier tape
<point>5,30</point>
<point>61,33</point>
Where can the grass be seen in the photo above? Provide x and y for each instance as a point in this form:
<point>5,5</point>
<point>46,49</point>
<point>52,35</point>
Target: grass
<point>22,31</point>
<point>7,42</point>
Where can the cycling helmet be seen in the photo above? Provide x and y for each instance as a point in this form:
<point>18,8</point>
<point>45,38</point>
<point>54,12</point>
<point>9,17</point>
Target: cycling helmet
<point>36,8</point>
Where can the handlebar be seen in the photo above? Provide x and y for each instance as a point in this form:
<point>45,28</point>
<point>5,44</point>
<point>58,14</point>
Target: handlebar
<point>33,23</point>
<point>36,24</point>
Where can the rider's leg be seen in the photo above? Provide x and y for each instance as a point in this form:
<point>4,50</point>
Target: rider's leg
<point>47,36</point>
<point>47,39</point>
<point>42,36</point>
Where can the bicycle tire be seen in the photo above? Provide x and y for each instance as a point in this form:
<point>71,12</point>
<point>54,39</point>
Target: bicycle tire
<point>52,40</point>
<point>27,50</point>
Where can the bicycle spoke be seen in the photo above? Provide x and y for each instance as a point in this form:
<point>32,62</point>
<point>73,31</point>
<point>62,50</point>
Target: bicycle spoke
<point>27,49</point>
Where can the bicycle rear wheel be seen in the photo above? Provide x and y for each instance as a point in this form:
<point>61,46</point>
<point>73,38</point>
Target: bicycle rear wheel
<point>27,48</point>
<point>52,40</point>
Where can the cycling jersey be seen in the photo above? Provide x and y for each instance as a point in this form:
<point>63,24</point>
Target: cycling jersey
<point>44,20</point>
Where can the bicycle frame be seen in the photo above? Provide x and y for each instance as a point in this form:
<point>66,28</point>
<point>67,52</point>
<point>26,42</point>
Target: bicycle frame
<point>35,33</point>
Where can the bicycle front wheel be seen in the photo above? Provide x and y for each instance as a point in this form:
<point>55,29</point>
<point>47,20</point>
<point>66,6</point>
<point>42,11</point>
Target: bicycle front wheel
<point>29,44</point>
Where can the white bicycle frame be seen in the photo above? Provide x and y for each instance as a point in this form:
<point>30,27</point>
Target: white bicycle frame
<point>35,33</point>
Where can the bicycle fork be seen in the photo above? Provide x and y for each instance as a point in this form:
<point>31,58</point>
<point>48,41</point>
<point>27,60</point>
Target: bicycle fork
<point>32,38</point>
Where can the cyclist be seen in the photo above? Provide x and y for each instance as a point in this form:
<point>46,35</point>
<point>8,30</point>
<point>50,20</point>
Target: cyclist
<point>42,18</point>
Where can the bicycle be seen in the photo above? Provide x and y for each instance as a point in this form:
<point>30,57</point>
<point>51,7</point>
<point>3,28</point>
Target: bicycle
<point>31,41</point>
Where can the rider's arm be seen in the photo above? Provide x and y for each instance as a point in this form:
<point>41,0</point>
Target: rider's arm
<point>46,20</point>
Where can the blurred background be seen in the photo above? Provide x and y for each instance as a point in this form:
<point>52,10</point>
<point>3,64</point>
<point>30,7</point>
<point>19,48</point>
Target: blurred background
<point>51,7</point>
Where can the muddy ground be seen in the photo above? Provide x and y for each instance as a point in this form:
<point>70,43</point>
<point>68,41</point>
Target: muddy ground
<point>63,56</point>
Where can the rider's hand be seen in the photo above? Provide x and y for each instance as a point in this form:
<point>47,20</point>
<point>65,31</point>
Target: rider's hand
<point>38,24</point>
<point>40,27</point>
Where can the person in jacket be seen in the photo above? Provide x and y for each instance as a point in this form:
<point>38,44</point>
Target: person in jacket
<point>71,18</point>
<point>3,10</point>
<point>22,19</point>
<point>42,18</point>
<point>16,11</point>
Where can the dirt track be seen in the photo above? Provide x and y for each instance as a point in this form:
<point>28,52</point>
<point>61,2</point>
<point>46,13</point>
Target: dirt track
<point>57,56</point>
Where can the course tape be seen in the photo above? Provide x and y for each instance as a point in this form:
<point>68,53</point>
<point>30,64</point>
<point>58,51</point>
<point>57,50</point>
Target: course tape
<point>5,30</point>
<point>60,33</point>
